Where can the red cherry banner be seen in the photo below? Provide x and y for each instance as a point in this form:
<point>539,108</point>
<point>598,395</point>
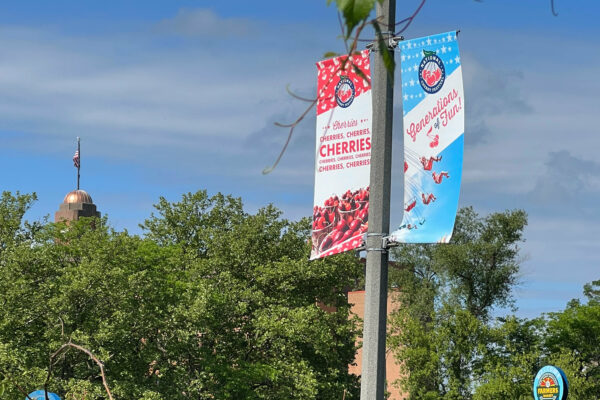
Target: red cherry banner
<point>343,155</point>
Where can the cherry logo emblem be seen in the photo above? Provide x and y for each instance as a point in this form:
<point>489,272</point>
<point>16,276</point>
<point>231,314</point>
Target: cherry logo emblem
<point>344,92</point>
<point>432,72</point>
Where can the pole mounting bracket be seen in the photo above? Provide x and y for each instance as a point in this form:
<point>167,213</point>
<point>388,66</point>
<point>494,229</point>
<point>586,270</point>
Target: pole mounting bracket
<point>392,41</point>
<point>384,242</point>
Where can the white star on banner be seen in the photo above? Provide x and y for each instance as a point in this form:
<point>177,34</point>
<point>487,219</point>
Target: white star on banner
<point>405,97</point>
<point>443,39</point>
<point>428,41</point>
<point>412,82</point>
<point>409,45</point>
<point>444,49</point>
<point>457,59</point>
<point>449,38</point>
<point>403,57</point>
<point>450,61</point>
<point>415,67</point>
<point>449,48</point>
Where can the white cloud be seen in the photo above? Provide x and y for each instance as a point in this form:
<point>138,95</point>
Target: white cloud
<point>205,23</point>
<point>139,96</point>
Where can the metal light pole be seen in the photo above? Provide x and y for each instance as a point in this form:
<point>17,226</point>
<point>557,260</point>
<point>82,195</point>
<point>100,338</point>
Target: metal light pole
<point>374,331</point>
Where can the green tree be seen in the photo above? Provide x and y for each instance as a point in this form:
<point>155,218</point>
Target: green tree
<point>89,284</point>
<point>12,209</point>
<point>518,348</point>
<point>447,293</point>
<point>510,359</point>
<point>213,302</point>
<point>573,338</point>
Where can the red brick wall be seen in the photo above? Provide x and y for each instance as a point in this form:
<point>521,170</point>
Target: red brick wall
<point>357,299</point>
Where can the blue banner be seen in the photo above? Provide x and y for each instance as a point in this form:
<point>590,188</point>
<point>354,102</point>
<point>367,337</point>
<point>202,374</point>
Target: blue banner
<point>41,395</point>
<point>433,107</point>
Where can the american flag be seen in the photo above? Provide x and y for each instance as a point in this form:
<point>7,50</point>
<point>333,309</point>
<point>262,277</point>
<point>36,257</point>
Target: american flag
<point>76,159</point>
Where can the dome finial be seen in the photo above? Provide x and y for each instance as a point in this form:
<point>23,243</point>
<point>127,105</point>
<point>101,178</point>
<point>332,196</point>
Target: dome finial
<point>78,196</point>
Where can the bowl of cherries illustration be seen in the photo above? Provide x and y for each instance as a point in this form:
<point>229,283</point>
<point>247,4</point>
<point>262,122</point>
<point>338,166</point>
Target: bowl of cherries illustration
<point>340,219</point>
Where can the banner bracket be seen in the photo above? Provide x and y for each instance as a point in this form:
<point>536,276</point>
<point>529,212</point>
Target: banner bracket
<point>388,243</point>
<point>384,242</point>
<point>392,41</point>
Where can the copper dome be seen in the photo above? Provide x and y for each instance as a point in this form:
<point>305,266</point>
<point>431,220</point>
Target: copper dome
<point>78,196</point>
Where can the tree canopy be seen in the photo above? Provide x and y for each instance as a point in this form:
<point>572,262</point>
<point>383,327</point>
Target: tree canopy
<point>445,337</point>
<point>212,302</point>
<point>215,302</point>
<point>447,293</point>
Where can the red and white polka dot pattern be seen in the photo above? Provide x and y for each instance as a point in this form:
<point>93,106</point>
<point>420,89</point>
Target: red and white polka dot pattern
<point>348,245</point>
<point>330,71</point>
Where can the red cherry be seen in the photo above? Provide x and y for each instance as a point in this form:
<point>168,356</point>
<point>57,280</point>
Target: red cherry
<point>341,226</point>
<point>326,243</point>
<point>336,236</point>
<point>425,75</point>
<point>354,225</point>
<point>346,236</point>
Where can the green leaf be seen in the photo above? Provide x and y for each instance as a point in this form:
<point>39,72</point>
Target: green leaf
<point>330,54</point>
<point>386,53</point>
<point>354,12</point>
<point>360,73</point>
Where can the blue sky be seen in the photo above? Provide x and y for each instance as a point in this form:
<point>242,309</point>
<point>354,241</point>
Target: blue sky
<point>171,97</point>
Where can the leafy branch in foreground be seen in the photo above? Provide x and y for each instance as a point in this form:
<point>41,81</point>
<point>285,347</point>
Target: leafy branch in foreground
<point>354,17</point>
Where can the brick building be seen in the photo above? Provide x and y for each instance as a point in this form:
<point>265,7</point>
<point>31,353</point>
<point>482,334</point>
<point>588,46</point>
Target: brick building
<point>392,369</point>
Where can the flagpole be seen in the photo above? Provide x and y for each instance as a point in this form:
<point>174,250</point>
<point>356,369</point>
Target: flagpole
<point>79,163</point>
